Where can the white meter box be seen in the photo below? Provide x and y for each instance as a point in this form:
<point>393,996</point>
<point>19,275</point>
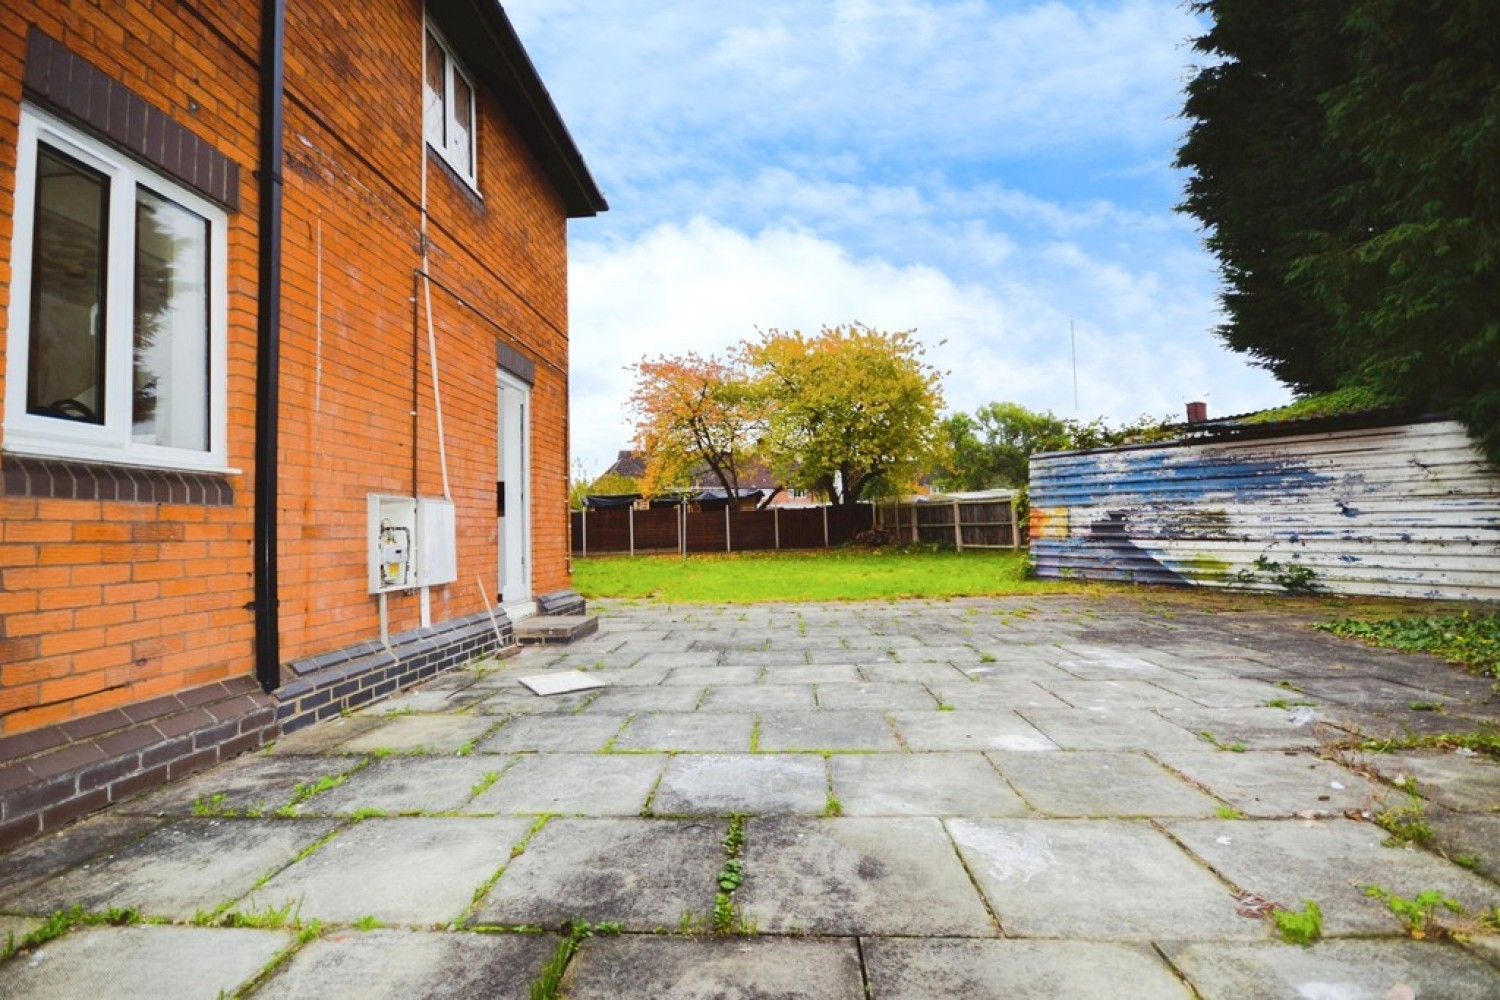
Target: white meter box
<point>413,543</point>
<point>437,541</point>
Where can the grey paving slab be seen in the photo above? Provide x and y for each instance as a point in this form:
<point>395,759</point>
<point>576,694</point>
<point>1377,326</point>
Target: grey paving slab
<point>962,655</point>
<point>1379,970</point>
<point>321,737</point>
<point>1122,729</point>
<point>256,784</point>
<point>573,784</point>
<point>1272,784</point>
<point>857,729</point>
<point>858,875</point>
<point>420,870</point>
<point>645,699</point>
<point>354,965</point>
<point>1466,782</point>
<point>1098,879</point>
<point>1232,692</point>
<point>924,968</point>
<point>405,785</point>
<point>836,697</point>
<point>827,673</point>
<point>1100,783</point>
<point>1328,861</point>
<point>428,699</point>
<point>722,784</point>
<point>1299,728</point>
<point>998,694</point>
<point>757,698</point>
<point>1101,663</point>
<point>910,673</point>
<point>715,968</point>
<point>633,677</point>
<point>178,870</point>
<point>513,699</point>
<point>970,730</point>
<point>50,854</point>
<point>646,874</point>
<point>1105,695</point>
<point>773,658</point>
<point>1472,838</point>
<point>705,731</point>
<point>583,733</point>
<point>924,784</point>
<point>162,963</point>
<point>434,734</point>
<point>704,676</point>
<point>13,930</point>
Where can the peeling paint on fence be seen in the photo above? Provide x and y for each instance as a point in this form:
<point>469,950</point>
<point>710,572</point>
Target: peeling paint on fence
<point>1408,510</point>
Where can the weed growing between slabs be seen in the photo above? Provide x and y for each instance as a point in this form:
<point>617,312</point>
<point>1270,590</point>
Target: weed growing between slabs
<point>1472,640</point>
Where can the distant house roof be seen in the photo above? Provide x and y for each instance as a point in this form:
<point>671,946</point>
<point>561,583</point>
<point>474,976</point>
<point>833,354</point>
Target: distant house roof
<point>483,37</point>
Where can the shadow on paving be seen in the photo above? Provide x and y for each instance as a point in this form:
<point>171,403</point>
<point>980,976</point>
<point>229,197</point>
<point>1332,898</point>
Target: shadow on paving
<point>1095,796</point>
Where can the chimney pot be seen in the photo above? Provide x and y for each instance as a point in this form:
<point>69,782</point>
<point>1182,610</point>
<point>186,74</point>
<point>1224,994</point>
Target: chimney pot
<point>1197,412</point>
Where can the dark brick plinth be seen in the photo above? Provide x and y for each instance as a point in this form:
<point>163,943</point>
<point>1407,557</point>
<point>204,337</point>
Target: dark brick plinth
<point>51,776</point>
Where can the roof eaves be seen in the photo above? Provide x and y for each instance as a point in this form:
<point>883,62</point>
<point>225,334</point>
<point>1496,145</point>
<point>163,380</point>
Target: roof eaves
<point>484,38</point>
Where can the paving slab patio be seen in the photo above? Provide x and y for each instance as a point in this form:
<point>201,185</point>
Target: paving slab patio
<point>923,968</point>
<point>162,963</point>
<point>1334,969</point>
<point>709,969</point>
<point>1100,784</point>
<point>1330,862</point>
<point>646,875</point>
<point>858,875</point>
<point>178,870</point>
<point>977,797</point>
<point>411,870</point>
<point>1095,879</point>
<point>355,965</point>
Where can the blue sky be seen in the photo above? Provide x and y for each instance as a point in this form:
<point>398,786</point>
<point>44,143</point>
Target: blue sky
<point>984,172</point>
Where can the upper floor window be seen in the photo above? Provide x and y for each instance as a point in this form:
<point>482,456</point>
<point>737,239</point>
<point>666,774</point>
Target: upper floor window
<point>116,345</point>
<point>448,119</point>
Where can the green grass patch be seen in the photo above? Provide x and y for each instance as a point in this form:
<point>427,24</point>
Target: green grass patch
<point>828,575</point>
<point>1472,640</point>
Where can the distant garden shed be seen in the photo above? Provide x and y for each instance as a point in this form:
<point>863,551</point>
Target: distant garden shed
<point>1374,503</point>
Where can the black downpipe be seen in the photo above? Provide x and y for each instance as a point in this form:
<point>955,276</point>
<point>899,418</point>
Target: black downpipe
<point>268,345</point>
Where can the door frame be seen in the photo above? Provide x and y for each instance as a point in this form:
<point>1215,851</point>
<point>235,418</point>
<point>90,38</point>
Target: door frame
<point>513,468</point>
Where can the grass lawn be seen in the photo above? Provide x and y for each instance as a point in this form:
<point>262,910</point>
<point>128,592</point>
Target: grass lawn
<point>833,575</point>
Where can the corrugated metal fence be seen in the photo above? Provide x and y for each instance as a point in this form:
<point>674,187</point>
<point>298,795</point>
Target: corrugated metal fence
<point>1406,510</point>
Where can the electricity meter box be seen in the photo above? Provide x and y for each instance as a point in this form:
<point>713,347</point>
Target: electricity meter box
<point>413,543</point>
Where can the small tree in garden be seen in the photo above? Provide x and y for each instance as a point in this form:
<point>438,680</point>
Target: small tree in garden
<point>690,412</point>
<point>850,412</point>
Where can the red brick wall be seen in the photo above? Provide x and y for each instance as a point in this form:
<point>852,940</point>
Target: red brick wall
<point>109,603</point>
<point>105,603</point>
<point>356,349</point>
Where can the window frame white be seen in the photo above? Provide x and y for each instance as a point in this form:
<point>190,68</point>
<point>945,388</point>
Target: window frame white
<point>112,441</point>
<point>452,69</point>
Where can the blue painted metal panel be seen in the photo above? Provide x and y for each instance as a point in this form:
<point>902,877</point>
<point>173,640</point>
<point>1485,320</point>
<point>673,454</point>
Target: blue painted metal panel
<point>1408,510</point>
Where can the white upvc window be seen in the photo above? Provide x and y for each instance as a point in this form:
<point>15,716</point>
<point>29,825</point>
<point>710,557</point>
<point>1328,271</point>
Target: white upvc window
<point>449,116</point>
<point>115,350</point>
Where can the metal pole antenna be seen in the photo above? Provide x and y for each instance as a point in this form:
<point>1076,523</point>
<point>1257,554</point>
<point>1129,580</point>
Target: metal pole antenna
<point>1073,343</point>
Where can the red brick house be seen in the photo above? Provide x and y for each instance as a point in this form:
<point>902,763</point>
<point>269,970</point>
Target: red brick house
<point>283,363</point>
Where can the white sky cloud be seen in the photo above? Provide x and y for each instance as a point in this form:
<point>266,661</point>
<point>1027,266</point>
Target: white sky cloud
<point>985,172</point>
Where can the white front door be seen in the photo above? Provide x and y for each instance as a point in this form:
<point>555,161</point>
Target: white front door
<point>513,482</point>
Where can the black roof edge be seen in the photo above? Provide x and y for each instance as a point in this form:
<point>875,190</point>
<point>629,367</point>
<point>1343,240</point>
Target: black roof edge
<point>1237,429</point>
<point>483,37</point>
